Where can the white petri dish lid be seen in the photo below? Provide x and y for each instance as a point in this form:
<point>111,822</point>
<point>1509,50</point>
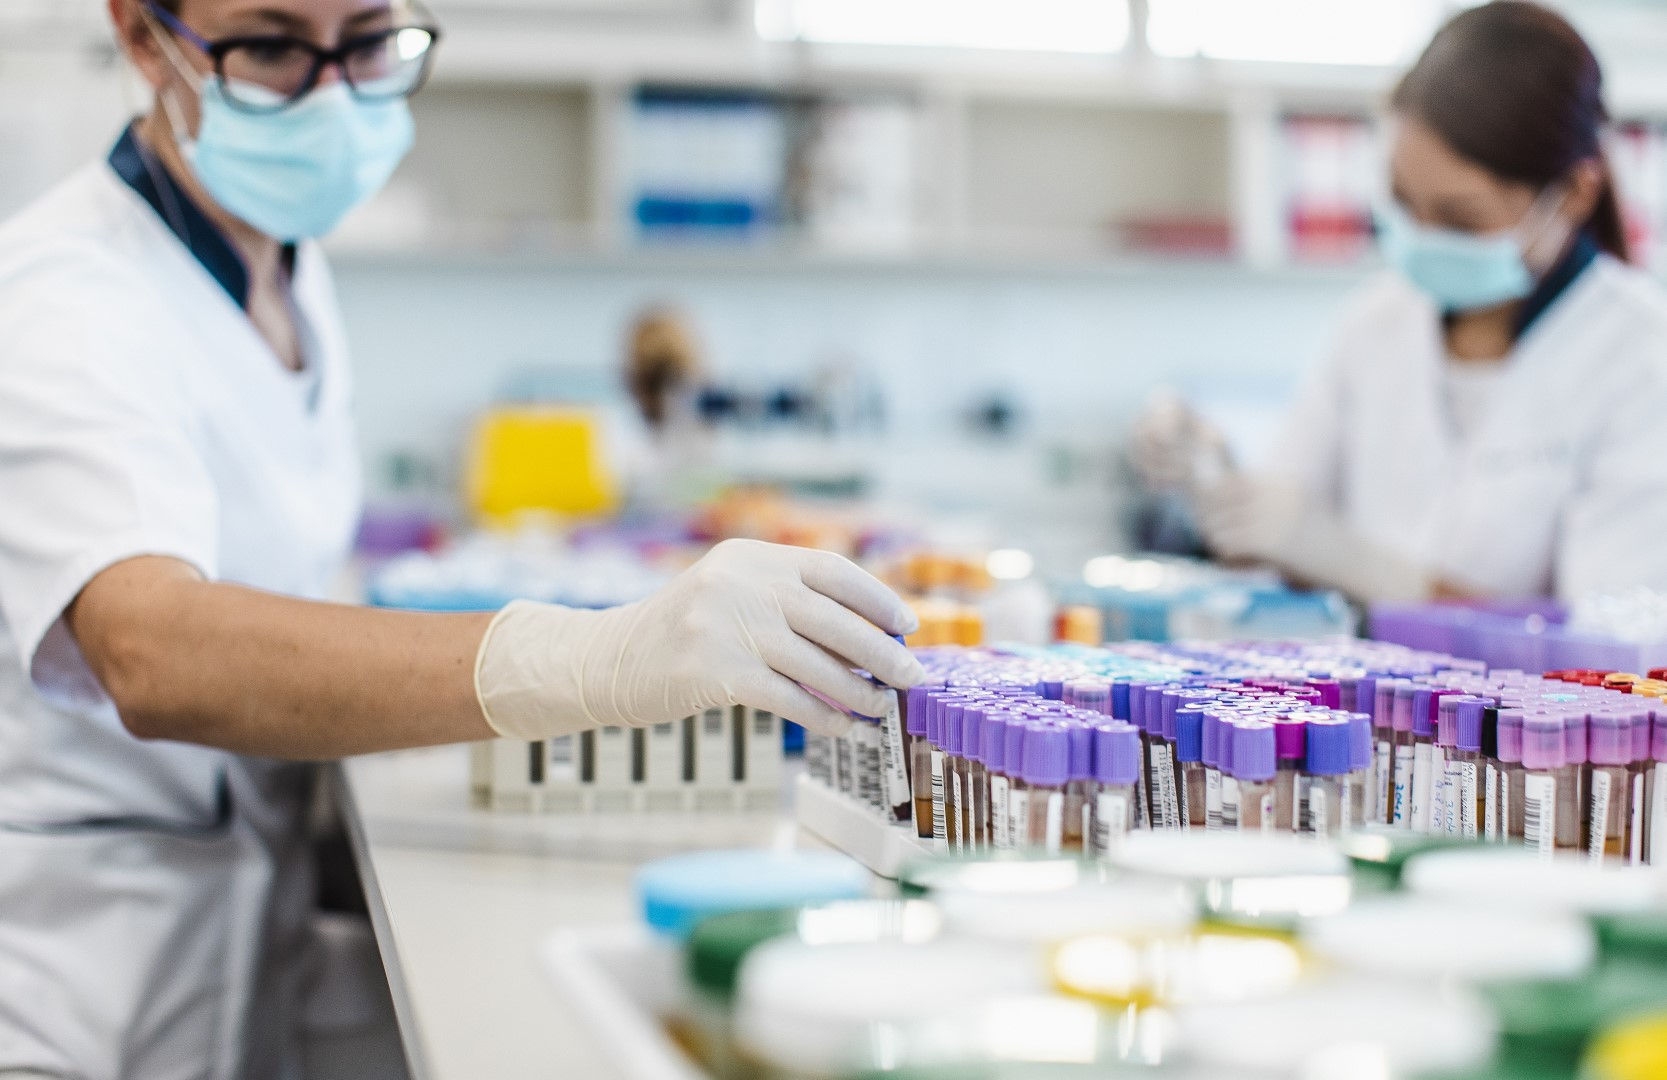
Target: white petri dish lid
<point>1566,883</point>
<point>829,1010</point>
<point>1130,908</point>
<point>1204,856</point>
<point>1427,937</point>
<point>1342,1029</point>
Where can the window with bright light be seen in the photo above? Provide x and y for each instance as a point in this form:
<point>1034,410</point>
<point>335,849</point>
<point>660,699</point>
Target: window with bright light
<point>1294,31</point>
<point>1086,26</point>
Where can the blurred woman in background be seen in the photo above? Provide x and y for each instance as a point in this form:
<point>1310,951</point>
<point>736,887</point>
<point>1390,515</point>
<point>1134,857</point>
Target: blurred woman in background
<point>1488,421</point>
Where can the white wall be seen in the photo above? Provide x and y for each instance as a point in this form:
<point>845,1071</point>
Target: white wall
<point>434,340</point>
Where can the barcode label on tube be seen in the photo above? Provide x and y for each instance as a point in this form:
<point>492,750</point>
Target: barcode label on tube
<point>892,746</point>
<point>1054,836</point>
<point>1490,813</point>
<point>999,825</point>
<point>940,823</point>
<point>1400,800</point>
<point>1539,813</point>
<point>1635,854</point>
<point>1111,819</point>
<point>1598,815</point>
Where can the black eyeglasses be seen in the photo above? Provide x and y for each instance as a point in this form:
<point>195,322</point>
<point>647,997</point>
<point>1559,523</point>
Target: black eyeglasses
<point>270,72</point>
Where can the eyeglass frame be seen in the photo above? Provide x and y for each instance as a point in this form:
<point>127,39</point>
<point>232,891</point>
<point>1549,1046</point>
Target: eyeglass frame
<point>322,58</point>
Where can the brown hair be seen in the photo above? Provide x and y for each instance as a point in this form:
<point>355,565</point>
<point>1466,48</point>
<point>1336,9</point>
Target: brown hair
<point>662,358</point>
<point>1513,87</point>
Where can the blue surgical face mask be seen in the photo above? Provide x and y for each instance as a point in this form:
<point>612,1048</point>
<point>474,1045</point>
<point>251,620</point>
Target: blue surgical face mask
<point>1464,271</point>
<point>293,173</point>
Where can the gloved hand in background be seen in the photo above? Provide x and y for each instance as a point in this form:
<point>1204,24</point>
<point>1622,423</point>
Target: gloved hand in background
<point>750,624</point>
<point>1173,449</point>
<point>1250,518</point>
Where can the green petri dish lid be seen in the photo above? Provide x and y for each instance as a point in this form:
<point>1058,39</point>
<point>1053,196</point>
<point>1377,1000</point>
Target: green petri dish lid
<point>1639,936</point>
<point>1550,1023</point>
<point>1379,853</point>
<point>718,945</point>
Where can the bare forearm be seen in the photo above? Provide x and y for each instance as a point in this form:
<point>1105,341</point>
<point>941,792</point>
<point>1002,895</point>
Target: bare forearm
<point>196,661</point>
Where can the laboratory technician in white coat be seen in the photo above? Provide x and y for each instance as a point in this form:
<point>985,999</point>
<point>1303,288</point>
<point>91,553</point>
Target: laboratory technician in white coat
<point>178,489</point>
<point>1489,421</point>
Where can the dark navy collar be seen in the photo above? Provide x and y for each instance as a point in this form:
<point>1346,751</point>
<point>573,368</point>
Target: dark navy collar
<point>1581,254</point>
<point>144,173</point>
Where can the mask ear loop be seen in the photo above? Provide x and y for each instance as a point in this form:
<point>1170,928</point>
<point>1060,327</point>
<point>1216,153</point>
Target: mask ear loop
<point>174,118</point>
<point>1545,207</point>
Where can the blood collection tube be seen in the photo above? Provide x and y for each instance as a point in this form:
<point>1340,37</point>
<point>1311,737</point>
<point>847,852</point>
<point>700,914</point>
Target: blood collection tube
<point>1189,766</point>
<point>1210,740</point>
<point>1542,760</point>
<point>1116,771</point>
<point>1400,797</point>
<point>1253,769</point>
<point>1047,756</point>
<point>1018,792</point>
<point>1490,770</point>
<point>1609,799</point>
<point>1290,748</point>
<point>1655,790</point>
<point>1092,694</point>
<point>1150,713</point>
<point>1166,811</point>
<point>1383,750</point>
<point>1505,785</point>
<point>954,773</point>
<point>938,769</point>
<point>994,742</point>
<point>927,764</point>
<point>1427,764</point>
<point>1643,717</point>
<point>1465,803</point>
<point>1079,782</point>
<point>1358,783</point>
<point>1322,799</point>
<point>975,809</point>
<point>1330,691</point>
<point>920,756</point>
<point>1572,807</point>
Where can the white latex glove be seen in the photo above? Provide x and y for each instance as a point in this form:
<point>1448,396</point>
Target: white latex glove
<point>1260,519</point>
<point>750,624</point>
<point>1172,448</point>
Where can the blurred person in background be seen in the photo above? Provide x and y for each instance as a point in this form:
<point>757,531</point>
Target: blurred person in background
<point>1487,421</point>
<point>664,446</point>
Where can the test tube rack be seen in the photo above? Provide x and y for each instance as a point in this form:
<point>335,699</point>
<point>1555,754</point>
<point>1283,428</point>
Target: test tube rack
<point>854,828</point>
<point>725,759</point>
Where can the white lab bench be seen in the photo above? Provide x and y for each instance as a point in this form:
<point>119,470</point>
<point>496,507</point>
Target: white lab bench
<point>462,898</point>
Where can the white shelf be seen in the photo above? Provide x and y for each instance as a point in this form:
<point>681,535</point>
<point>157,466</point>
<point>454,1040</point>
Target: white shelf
<point>765,260</point>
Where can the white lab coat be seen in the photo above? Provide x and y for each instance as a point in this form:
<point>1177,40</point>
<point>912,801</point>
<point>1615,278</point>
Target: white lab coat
<point>154,897</point>
<point>1561,487</point>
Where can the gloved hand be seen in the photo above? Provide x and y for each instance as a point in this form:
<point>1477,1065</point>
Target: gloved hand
<point>1172,448</point>
<point>750,624</point>
<point>1264,519</point>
